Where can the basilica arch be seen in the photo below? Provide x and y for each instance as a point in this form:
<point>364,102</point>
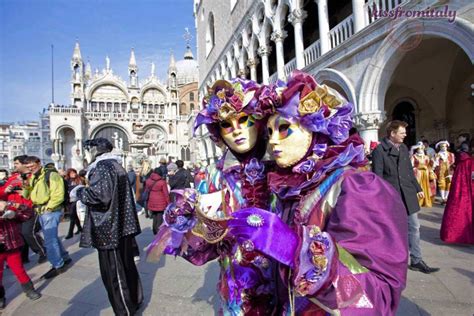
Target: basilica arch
<point>153,97</point>
<point>116,134</point>
<point>105,89</point>
<point>66,146</point>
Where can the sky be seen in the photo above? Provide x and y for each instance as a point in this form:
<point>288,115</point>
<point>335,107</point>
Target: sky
<point>28,28</point>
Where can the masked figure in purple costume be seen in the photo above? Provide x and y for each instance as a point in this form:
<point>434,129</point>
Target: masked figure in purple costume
<point>338,233</point>
<point>195,226</point>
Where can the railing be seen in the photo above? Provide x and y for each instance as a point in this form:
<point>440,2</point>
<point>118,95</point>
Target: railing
<point>133,116</point>
<point>384,5</point>
<point>312,53</point>
<point>290,66</point>
<point>67,110</point>
<point>342,31</point>
<point>273,78</point>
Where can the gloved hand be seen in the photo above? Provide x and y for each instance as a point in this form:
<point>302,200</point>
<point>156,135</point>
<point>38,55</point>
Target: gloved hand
<point>73,193</point>
<point>9,214</point>
<point>264,231</point>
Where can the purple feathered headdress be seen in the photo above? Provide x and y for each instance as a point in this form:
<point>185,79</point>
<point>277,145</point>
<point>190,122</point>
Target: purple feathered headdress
<point>228,98</point>
<point>318,108</point>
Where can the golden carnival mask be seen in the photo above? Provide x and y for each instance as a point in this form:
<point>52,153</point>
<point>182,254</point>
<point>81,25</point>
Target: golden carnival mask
<point>289,142</point>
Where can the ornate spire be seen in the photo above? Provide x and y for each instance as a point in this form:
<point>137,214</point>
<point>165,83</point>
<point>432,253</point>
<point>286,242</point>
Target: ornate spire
<point>107,63</point>
<point>152,69</point>
<point>132,64</point>
<point>88,70</point>
<point>76,55</point>
<point>172,65</point>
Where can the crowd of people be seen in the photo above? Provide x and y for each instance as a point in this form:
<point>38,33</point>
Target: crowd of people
<point>297,213</point>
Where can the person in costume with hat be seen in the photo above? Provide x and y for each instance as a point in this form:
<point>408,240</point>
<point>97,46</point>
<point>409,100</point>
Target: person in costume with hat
<point>443,164</point>
<point>422,168</point>
<point>111,224</point>
<point>336,233</point>
<point>195,225</point>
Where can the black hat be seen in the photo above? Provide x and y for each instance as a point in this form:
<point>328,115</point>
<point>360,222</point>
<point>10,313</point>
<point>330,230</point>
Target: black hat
<point>103,145</point>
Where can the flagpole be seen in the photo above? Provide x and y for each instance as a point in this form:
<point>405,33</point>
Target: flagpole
<point>52,73</point>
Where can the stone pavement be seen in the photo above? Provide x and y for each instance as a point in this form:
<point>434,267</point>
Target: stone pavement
<point>174,287</point>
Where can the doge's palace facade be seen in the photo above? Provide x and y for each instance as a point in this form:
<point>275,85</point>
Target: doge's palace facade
<point>417,67</point>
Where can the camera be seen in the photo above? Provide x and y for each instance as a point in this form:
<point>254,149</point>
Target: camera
<point>17,188</point>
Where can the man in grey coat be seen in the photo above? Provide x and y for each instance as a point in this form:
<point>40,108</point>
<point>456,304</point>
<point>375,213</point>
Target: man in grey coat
<point>391,161</point>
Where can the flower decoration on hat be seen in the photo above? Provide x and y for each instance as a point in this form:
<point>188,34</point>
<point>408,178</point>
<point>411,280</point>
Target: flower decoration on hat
<point>226,99</point>
<point>318,108</point>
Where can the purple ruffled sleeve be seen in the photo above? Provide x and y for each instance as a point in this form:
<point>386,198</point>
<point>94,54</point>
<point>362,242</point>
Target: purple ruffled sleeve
<point>361,256</point>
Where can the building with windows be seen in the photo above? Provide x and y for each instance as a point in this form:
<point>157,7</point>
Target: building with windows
<point>145,118</point>
<point>24,139</point>
<point>416,66</point>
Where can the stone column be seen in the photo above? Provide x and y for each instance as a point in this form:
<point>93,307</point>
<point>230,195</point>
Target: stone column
<point>358,11</point>
<point>60,147</point>
<point>56,146</point>
<point>278,37</point>
<point>296,18</point>
<point>79,146</point>
<point>264,52</point>
<point>323,26</point>
<point>233,70</point>
<point>368,125</point>
<point>252,63</point>
<point>241,64</point>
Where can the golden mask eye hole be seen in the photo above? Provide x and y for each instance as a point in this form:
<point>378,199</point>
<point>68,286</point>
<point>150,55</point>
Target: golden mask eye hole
<point>270,131</point>
<point>225,124</point>
<point>243,119</point>
<point>283,127</point>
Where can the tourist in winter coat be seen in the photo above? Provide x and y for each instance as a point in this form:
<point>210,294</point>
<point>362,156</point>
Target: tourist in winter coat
<point>158,197</point>
<point>11,216</point>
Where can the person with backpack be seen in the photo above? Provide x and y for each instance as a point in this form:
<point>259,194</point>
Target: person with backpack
<point>46,191</point>
<point>158,197</point>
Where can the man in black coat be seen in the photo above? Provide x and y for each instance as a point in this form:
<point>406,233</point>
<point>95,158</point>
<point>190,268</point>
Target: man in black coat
<point>181,179</point>
<point>111,225</point>
<point>391,161</point>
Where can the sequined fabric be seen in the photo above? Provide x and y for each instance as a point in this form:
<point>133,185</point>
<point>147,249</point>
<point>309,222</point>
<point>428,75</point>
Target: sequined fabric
<point>111,211</point>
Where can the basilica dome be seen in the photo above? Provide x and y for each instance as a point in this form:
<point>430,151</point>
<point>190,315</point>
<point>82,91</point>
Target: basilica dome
<point>187,69</point>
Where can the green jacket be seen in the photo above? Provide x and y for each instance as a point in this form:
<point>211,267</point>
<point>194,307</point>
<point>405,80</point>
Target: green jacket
<point>46,199</point>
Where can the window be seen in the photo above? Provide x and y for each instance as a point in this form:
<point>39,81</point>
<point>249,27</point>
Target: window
<point>191,96</point>
<point>210,39</point>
